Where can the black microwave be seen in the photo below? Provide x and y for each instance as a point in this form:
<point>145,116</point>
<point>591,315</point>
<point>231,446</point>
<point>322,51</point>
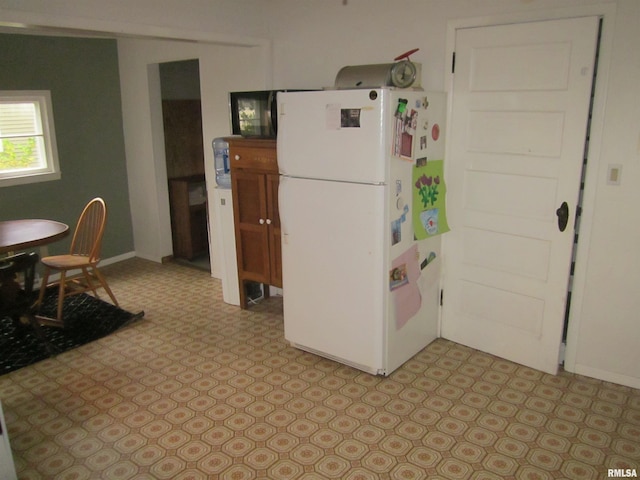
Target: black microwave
<point>255,114</point>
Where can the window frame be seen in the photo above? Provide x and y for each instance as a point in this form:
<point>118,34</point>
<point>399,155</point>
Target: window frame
<point>52,169</point>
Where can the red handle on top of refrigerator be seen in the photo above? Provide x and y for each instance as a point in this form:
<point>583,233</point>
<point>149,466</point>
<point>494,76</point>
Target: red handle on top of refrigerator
<point>406,54</point>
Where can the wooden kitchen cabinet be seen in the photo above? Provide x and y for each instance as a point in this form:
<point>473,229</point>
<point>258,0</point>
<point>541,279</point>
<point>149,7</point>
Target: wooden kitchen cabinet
<point>254,186</point>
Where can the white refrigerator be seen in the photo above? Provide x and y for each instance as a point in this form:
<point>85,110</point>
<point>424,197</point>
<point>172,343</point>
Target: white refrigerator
<point>360,285</point>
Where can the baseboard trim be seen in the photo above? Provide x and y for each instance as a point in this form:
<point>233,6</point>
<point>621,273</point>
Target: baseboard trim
<point>117,258</point>
<point>103,263</point>
<point>613,377</point>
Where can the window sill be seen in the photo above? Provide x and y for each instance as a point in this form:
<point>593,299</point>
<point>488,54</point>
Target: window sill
<point>27,179</point>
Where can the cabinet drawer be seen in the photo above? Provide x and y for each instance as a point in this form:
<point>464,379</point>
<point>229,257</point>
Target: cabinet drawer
<point>254,155</point>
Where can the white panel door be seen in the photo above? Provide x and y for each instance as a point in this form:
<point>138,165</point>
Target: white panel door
<point>520,109</point>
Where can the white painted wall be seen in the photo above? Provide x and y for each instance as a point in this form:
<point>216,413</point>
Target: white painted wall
<point>605,323</point>
<point>229,21</point>
<point>222,68</point>
<point>312,39</point>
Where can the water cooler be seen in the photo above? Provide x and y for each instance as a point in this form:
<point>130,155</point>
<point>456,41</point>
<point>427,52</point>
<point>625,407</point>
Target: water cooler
<point>221,158</point>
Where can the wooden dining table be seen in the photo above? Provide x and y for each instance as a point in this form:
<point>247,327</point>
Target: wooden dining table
<point>17,235</point>
<point>27,234</point>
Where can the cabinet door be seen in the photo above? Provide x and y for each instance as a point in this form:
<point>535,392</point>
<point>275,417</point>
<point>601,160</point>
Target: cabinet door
<point>252,239</point>
<point>275,248</point>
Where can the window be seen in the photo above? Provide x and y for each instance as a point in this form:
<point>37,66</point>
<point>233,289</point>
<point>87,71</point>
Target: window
<point>28,151</point>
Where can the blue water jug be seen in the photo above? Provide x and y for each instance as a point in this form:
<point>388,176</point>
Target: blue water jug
<point>221,156</point>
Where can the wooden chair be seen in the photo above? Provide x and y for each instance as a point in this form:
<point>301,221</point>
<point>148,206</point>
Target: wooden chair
<point>84,255</point>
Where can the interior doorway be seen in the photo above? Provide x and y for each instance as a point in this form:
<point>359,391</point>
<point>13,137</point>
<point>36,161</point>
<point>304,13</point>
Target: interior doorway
<point>184,152</point>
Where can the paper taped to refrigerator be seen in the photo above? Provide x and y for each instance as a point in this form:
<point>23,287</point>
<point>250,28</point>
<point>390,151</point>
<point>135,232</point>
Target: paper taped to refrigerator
<point>403,279</point>
<point>429,206</point>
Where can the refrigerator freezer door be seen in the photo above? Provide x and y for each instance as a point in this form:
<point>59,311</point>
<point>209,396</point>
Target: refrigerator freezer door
<point>333,262</point>
<point>333,135</point>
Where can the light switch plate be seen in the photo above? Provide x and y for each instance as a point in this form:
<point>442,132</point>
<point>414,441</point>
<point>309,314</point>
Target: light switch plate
<point>614,172</point>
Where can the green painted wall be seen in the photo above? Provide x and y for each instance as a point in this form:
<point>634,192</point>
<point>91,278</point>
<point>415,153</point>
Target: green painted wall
<point>82,75</point>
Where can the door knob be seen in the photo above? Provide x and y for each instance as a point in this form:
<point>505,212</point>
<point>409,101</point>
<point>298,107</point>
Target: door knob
<point>563,216</point>
<point>268,221</point>
<point>261,221</point>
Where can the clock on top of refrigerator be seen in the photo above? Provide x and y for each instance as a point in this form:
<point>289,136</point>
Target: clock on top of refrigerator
<point>403,73</point>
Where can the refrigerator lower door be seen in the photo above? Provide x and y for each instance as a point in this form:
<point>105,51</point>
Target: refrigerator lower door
<point>333,269</point>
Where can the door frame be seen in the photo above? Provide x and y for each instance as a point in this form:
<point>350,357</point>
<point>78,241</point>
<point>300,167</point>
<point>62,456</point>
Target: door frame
<point>595,165</point>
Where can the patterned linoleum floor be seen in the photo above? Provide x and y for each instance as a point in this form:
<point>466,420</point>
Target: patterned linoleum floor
<point>201,390</point>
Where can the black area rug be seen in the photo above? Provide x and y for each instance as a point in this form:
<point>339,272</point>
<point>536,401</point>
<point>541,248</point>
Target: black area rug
<point>86,319</point>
